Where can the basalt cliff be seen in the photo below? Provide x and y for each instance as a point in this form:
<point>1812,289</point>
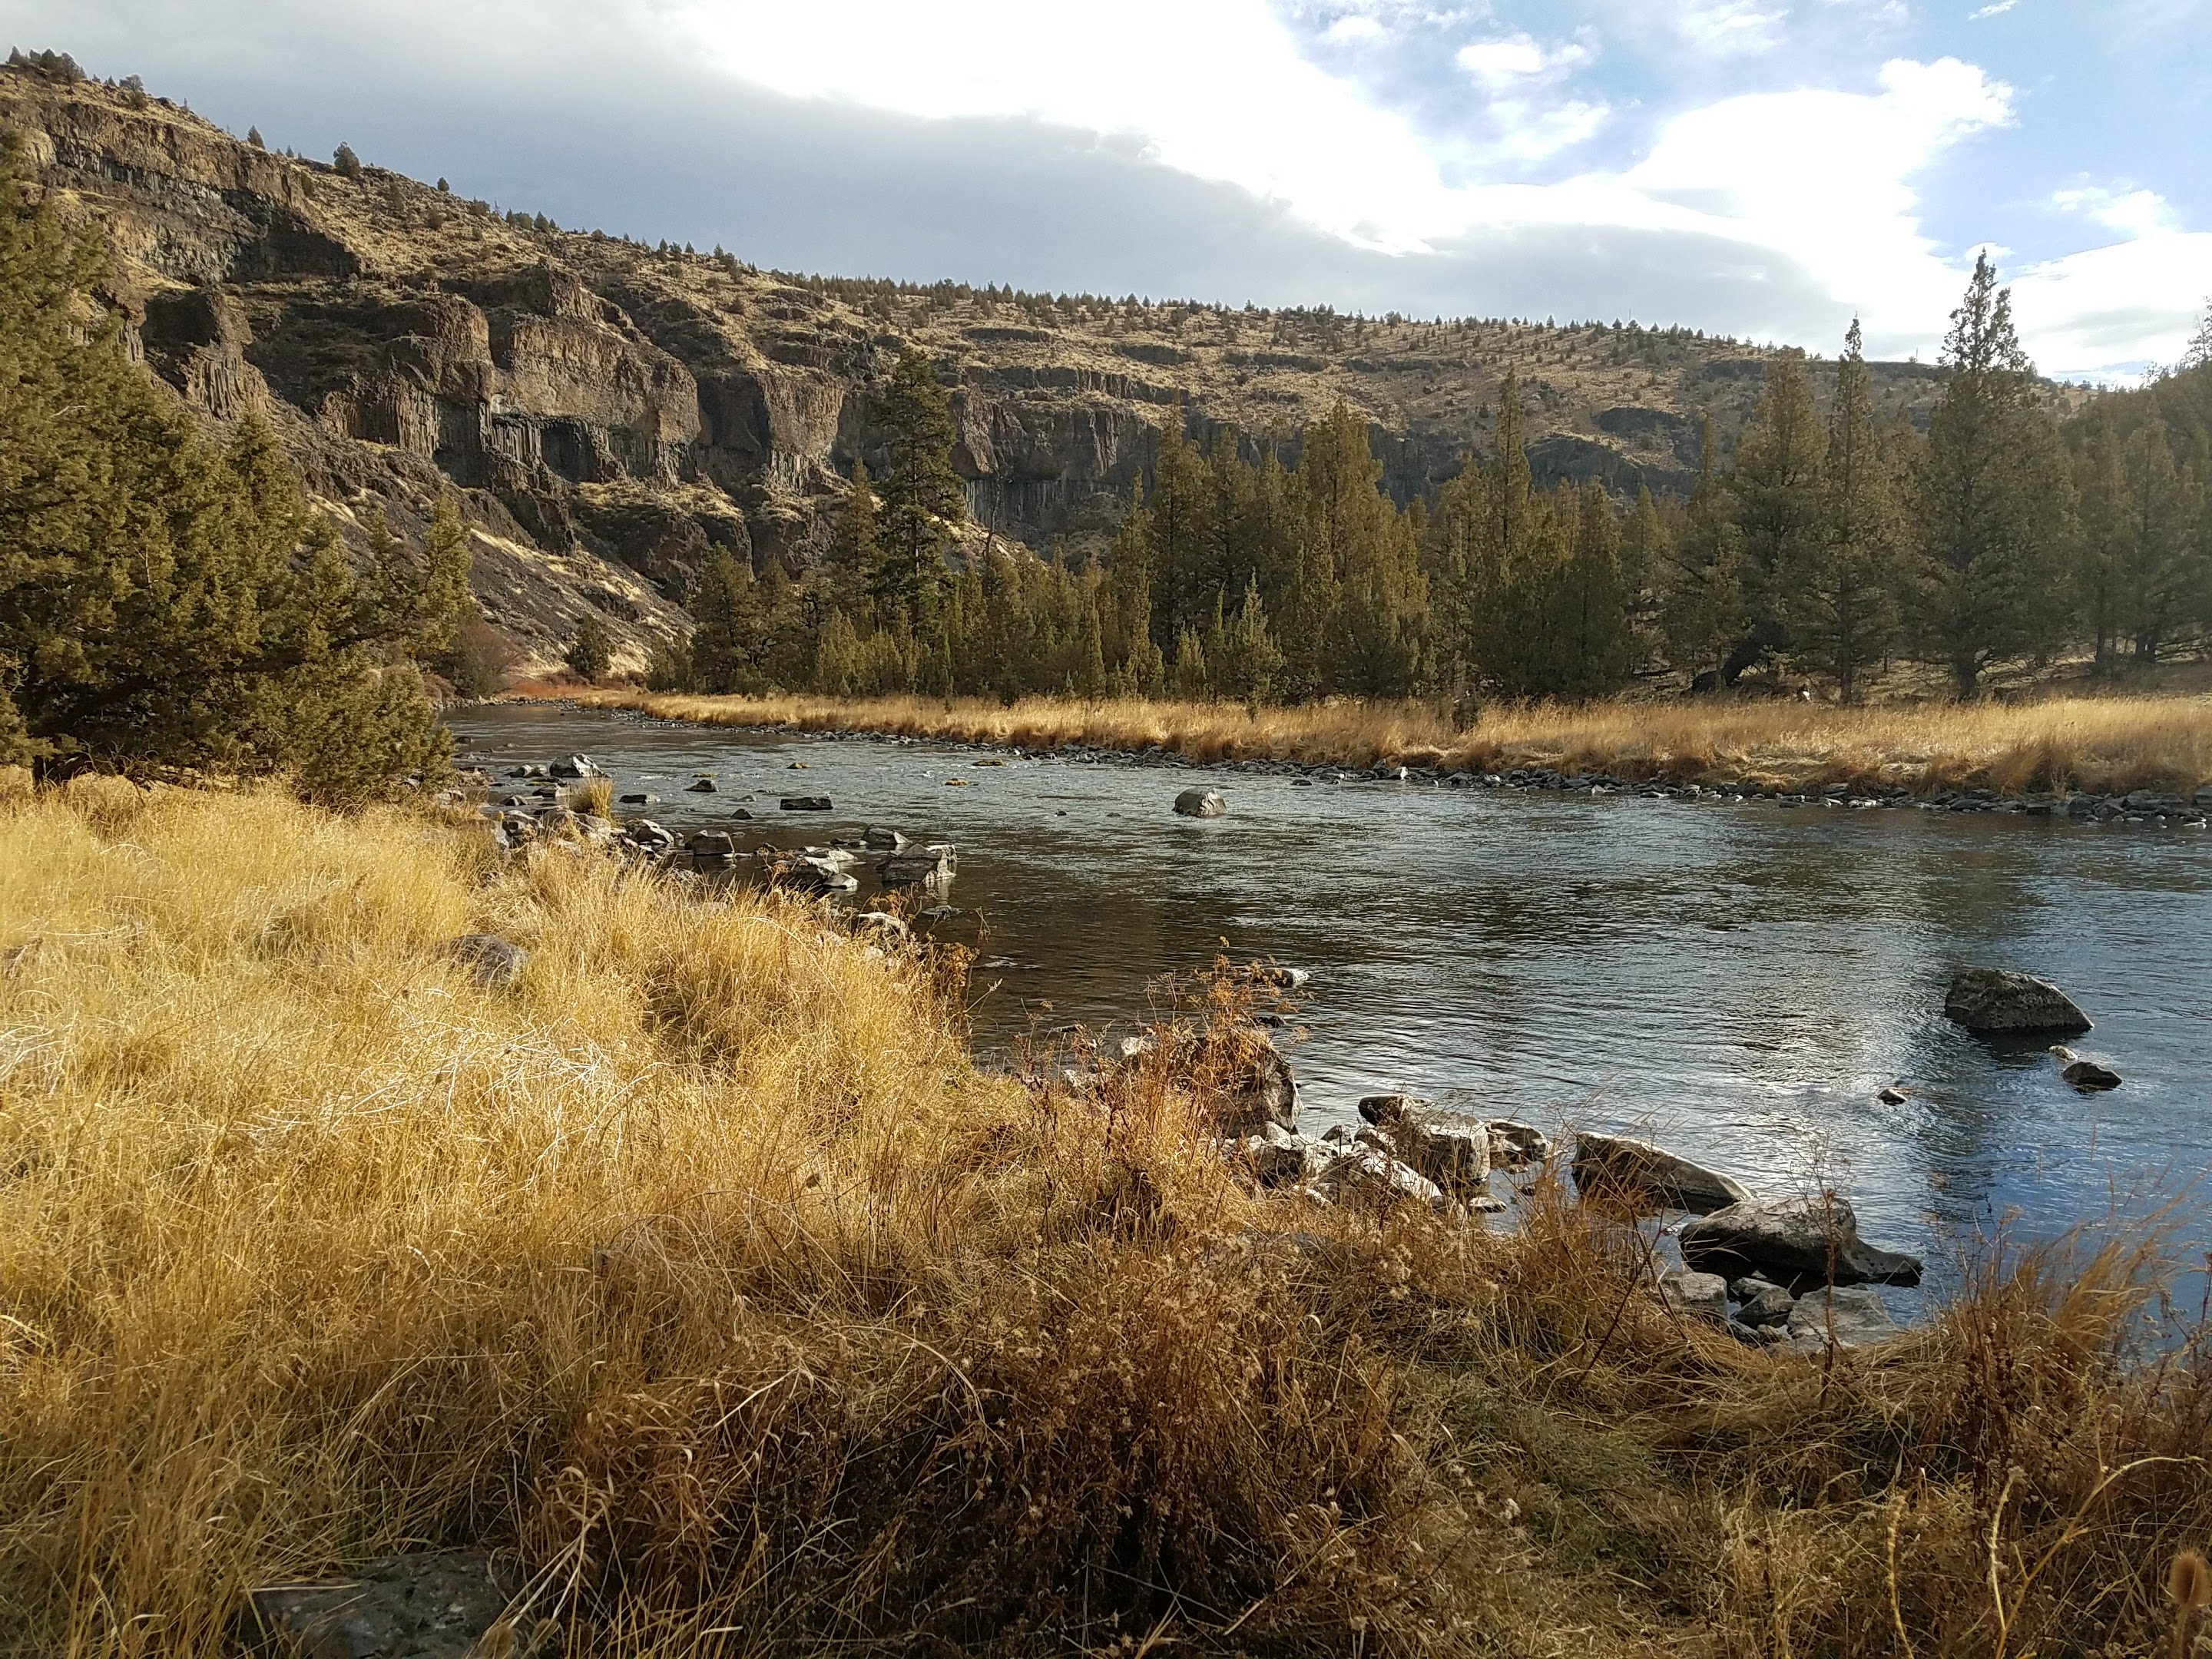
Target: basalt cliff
<point>609,411</point>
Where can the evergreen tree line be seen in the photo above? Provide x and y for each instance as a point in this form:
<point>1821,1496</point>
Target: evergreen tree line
<point>170,601</point>
<point>1831,544</point>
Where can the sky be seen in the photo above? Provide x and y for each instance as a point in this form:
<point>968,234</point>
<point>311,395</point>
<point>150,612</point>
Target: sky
<point>1766,169</point>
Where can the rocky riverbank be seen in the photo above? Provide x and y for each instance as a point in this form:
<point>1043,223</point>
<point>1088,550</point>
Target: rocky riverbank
<point>2168,808</point>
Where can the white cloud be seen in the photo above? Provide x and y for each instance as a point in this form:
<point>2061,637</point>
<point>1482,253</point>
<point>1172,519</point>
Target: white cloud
<point>1352,29</point>
<point>1998,9</point>
<point>1516,59</point>
<point>1728,27</point>
<point>2134,213</point>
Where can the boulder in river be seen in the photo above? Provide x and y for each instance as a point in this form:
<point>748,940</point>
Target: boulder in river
<point>701,786</point>
<point>807,803</point>
<point>493,962</point>
<point>446,1605</point>
<point>928,866</point>
<point>1616,1167</point>
<point>576,766</point>
<point>1844,1317</point>
<point>1450,1149</point>
<point>878,839</point>
<point>1798,1238</point>
<point>2087,1075</point>
<point>1997,1000</point>
<point>713,844</point>
<point>640,799</point>
<point>1200,804</point>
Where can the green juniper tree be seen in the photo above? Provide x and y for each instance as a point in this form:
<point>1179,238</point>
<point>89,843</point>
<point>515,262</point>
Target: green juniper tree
<point>169,601</point>
<point>591,651</point>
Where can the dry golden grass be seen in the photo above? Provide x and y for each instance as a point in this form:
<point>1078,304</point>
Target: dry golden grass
<point>704,1268</point>
<point>2087,744</point>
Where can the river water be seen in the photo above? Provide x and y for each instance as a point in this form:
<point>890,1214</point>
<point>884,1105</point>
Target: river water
<point>1736,981</point>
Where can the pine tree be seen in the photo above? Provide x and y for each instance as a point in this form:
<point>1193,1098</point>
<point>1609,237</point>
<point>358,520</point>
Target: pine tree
<point>345,163</point>
<point>1993,501</point>
<point>1592,609</point>
<point>1776,486</point>
<point>726,625</point>
<point>2099,586</point>
<point>1703,615</point>
<point>923,502</point>
<point>1838,580</point>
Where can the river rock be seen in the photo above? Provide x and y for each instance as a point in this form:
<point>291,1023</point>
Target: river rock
<point>807,803</point>
<point>640,799</point>
<point>1201,803</point>
<point>1997,1000</point>
<point>450,1605</point>
<point>1280,979</point>
<point>649,837</point>
<point>1617,1167</point>
<point>1267,1093</point>
<point>1515,1146</point>
<point>1448,1148</point>
<point>931,865</point>
<point>576,766</point>
<point>493,962</point>
<point>700,787</point>
<point>878,840</point>
<point>1703,1295</point>
<point>713,844</point>
<point>1275,1163</point>
<point>1843,1316</point>
<point>2087,1075</point>
<point>1366,1175</point>
<point>1769,1305</point>
<point>1815,1238</point>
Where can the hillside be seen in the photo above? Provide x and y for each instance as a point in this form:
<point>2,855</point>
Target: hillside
<point>609,411</point>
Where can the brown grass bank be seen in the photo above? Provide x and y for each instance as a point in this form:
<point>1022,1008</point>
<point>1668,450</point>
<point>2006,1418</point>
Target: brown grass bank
<point>2098,745</point>
<point>703,1268</point>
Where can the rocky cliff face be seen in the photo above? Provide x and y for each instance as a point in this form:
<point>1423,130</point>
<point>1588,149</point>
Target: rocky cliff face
<point>611,413</point>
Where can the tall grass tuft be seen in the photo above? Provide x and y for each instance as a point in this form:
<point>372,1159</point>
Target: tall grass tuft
<point>704,1268</point>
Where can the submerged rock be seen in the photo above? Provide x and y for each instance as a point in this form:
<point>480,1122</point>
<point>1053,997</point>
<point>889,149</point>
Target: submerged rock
<point>2087,1075</point>
<point>1815,1238</point>
<point>1201,803</point>
<point>700,787</point>
<point>931,865</point>
<point>807,803</point>
<point>713,844</point>
<point>1617,1167</point>
<point>1997,1000</point>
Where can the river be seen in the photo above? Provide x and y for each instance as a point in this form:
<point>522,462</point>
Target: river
<point>1735,981</point>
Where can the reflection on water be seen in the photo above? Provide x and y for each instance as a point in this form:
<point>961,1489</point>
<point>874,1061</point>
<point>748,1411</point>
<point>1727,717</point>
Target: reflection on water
<point>1737,980</point>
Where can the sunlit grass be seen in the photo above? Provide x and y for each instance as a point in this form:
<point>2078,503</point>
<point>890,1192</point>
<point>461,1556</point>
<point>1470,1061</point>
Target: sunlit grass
<point>704,1269</point>
<point>2093,743</point>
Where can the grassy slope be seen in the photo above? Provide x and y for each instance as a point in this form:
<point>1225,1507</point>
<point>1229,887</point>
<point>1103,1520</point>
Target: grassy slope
<point>2062,743</point>
<point>704,1268</point>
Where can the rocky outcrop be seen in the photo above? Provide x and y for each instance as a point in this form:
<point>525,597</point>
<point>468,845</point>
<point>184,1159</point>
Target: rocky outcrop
<point>611,413</point>
<point>1999,1001</point>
